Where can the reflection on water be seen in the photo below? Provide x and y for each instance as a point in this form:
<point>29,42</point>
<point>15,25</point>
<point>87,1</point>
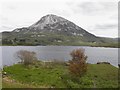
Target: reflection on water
<point>95,54</point>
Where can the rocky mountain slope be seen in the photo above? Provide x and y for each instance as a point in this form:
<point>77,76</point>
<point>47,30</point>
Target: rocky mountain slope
<point>52,30</point>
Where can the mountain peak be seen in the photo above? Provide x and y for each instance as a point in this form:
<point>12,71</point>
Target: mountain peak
<point>50,15</point>
<point>48,19</point>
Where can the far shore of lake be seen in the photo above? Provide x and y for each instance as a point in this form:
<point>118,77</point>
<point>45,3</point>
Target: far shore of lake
<point>116,46</point>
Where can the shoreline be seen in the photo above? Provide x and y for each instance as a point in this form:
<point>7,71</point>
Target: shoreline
<point>64,45</point>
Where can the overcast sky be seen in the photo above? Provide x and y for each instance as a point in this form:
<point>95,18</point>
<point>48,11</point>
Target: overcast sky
<point>99,17</point>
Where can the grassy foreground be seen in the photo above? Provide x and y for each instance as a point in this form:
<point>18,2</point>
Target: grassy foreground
<point>57,76</point>
<point>0,80</point>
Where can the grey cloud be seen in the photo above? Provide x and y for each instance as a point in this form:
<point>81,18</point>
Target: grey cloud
<point>110,5</point>
<point>106,26</point>
<point>114,16</point>
<point>12,8</point>
<point>88,7</point>
<point>6,27</point>
<point>92,8</point>
<point>4,18</point>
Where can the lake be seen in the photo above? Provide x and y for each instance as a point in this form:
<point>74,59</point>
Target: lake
<point>95,54</point>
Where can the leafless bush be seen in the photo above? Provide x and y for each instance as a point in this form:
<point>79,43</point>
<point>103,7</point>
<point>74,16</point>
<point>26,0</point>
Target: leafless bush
<point>26,57</point>
<point>78,65</point>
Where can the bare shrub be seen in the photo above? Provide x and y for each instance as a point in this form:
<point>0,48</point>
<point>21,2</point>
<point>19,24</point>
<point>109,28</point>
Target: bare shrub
<point>26,57</point>
<point>78,65</point>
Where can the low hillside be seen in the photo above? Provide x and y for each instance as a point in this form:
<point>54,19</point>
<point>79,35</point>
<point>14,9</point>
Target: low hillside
<point>57,76</point>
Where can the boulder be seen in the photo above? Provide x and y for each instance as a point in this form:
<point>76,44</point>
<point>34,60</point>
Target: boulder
<point>103,63</point>
<point>119,65</point>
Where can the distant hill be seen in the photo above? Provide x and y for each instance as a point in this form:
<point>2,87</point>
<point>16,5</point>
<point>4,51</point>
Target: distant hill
<point>53,30</point>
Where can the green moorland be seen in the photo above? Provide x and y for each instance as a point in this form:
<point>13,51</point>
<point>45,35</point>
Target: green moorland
<point>56,75</point>
<point>46,39</point>
<point>0,79</point>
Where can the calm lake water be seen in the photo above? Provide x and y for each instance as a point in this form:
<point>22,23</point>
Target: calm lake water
<point>95,54</point>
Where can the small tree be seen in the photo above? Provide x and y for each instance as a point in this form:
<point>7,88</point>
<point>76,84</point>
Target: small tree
<point>26,57</point>
<point>78,65</point>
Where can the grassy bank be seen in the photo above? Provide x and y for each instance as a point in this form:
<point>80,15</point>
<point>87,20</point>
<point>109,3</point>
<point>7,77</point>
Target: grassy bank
<point>0,79</point>
<point>57,76</point>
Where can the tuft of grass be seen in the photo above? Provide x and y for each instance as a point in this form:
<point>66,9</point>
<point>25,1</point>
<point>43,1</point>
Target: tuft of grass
<point>0,79</point>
